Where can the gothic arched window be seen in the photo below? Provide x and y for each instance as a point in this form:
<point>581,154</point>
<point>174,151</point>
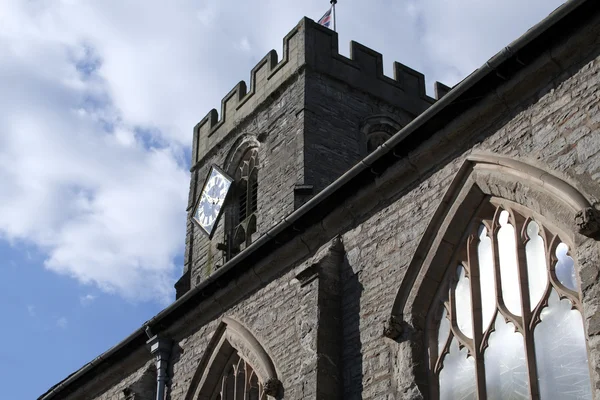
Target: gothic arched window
<point>234,367</point>
<point>239,382</point>
<point>507,322</point>
<point>243,213</point>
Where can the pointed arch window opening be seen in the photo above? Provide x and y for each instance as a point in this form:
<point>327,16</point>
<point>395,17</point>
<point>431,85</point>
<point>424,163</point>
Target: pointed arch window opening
<point>508,322</point>
<point>239,382</point>
<point>243,213</point>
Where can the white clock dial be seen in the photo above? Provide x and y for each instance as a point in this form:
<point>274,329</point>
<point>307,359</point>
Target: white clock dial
<point>211,200</point>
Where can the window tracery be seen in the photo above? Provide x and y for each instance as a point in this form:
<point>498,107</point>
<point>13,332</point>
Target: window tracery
<point>508,322</point>
<point>239,382</point>
<point>243,213</point>
<point>235,366</point>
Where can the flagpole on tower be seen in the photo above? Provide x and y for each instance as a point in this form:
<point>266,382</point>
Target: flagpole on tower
<point>333,3</point>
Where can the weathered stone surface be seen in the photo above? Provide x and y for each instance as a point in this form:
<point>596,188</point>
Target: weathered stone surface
<point>320,319</point>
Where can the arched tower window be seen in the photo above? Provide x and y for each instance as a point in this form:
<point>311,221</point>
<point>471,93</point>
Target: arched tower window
<point>507,320</point>
<point>376,139</point>
<point>243,213</point>
<point>377,130</point>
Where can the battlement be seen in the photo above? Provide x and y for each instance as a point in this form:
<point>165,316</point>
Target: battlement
<point>314,47</point>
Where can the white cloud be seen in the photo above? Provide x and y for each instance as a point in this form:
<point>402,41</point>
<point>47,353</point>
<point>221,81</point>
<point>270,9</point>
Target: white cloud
<point>99,99</point>
<point>86,300</point>
<point>62,323</point>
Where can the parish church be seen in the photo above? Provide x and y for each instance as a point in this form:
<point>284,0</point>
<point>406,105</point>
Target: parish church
<point>350,237</point>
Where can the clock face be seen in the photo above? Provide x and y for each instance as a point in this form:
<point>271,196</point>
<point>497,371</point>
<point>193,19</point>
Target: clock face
<point>209,206</point>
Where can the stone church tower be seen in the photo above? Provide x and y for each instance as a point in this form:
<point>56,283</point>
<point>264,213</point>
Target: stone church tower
<point>302,123</point>
<point>376,243</point>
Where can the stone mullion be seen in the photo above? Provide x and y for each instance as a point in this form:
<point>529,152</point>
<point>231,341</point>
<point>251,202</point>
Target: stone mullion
<point>223,387</point>
<point>452,313</point>
<point>520,239</point>
<point>473,263</point>
<point>493,234</point>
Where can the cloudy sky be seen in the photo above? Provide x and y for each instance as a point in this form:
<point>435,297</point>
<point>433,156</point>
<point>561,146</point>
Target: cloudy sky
<point>97,104</point>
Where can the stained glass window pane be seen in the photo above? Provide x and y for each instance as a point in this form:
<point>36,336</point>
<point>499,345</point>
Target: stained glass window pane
<point>561,354</point>
<point>509,273</point>
<point>505,364</point>
<point>240,381</point>
<point>457,378</point>
<point>443,331</point>
<point>565,270</point>
<point>462,294</point>
<point>229,385</point>
<point>254,392</point>
<point>537,272</point>
<point>560,364</point>
<point>486,278</point>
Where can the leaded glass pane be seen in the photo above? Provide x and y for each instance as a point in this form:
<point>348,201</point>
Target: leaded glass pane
<point>462,295</point>
<point>537,272</point>
<point>240,380</point>
<point>565,269</point>
<point>561,354</point>
<point>254,391</point>
<point>443,331</point>
<point>457,378</point>
<point>229,385</point>
<point>509,272</point>
<point>505,364</point>
<point>559,367</point>
<point>486,278</point>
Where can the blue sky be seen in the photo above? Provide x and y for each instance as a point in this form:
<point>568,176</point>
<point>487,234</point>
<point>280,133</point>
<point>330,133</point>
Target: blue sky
<point>97,104</point>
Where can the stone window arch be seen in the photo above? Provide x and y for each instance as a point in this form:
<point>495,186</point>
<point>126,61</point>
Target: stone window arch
<point>376,130</point>
<point>492,195</point>
<point>235,366</point>
<point>242,164</point>
<point>507,319</point>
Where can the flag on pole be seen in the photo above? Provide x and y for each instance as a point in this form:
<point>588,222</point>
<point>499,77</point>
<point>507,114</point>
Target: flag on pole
<point>326,18</point>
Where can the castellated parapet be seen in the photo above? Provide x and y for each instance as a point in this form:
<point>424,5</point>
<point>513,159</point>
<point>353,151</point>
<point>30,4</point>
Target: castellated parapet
<point>311,46</point>
<point>310,117</point>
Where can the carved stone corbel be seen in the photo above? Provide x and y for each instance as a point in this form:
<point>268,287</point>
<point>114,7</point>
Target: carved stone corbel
<point>392,328</point>
<point>272,387</point>
<point>587,221</point>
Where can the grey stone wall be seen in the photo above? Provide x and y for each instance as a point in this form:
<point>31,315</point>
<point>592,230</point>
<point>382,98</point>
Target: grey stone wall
<point>334,115</point>
<point>297,300</point>
<point>283,317</point>
<point>134,379</point>
<point>277,129</point>
<point>549,117</point>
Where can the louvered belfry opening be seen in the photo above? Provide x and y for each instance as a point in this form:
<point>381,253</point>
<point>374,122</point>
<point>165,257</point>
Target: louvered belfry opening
<point>246,207</point>
<point>243,200</point>
<point>507,323</point>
